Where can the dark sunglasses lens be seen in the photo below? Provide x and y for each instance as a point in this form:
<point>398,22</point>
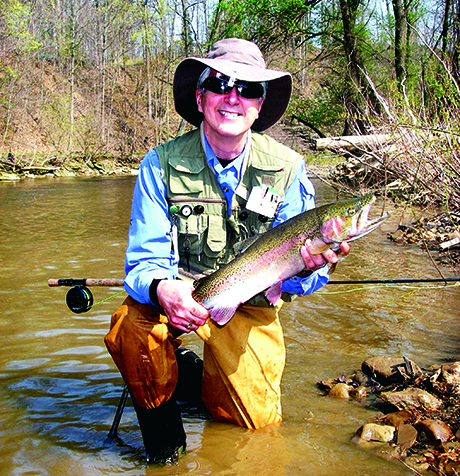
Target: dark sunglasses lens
<point>216,85</point>
<point>246,90</point>
<point>250,90</point>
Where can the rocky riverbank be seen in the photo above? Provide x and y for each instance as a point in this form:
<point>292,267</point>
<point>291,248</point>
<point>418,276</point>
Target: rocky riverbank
<point>418,422</point>
<point>17,169</point>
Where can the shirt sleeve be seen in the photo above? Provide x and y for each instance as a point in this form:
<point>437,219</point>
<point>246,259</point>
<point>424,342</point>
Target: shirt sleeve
<point>300,197</point>
<point>149,253</point>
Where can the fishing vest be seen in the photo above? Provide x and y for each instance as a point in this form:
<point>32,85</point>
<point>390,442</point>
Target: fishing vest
<point>208,235</point>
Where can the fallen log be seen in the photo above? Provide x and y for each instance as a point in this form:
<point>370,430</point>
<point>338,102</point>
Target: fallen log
<point>351,142</point>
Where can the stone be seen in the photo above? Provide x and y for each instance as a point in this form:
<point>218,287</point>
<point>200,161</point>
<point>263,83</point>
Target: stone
<point>411,398</point>
<point>417,463</point>
<point>359,392</point>
<point>326,385</point>
<point>407,436</point>
<point>340,390</point>
<point>434,430</point>
<point>450,373</point>
<point>397,418</point>
<point>389,370</point>
<point>376,432</point>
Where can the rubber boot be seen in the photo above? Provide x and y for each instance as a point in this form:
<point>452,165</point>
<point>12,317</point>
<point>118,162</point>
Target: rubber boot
<point>190,379</point>
<point>162,431</point>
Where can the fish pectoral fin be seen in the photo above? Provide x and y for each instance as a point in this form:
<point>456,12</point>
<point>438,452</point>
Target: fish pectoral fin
<point>222,314</point>
<point>273,293</point>
<point>318,246</point>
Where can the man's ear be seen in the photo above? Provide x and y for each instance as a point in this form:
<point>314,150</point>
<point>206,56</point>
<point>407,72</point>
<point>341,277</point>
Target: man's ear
<point>199,95</point>
<point>261,102</point>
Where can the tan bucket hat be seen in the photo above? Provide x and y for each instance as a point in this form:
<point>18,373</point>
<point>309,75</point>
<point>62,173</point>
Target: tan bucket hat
<point>236,58</point>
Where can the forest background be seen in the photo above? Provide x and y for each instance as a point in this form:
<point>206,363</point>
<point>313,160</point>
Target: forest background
<point>93,79</point>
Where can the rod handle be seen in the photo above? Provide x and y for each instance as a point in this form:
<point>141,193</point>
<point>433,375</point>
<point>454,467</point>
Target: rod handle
<point>85,282</point>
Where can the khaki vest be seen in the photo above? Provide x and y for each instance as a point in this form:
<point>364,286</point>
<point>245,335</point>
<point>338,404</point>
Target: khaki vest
<point>211,236</point>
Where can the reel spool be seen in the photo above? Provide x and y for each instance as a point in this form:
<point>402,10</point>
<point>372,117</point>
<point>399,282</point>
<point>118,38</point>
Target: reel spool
<point>79,299</point>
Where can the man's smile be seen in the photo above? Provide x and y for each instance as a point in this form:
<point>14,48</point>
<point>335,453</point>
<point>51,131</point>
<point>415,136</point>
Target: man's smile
<point>229,114</point>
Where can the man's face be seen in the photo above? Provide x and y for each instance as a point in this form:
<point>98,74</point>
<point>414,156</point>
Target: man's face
<point>227,115</point>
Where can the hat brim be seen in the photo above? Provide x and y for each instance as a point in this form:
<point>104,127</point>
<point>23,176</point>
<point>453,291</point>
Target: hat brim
<point>189,70</point>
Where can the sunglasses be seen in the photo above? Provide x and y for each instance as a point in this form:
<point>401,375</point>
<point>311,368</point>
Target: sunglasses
<point>220,85</point>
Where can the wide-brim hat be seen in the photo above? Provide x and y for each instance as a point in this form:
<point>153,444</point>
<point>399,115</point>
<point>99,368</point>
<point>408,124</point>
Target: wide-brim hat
<point>236,58</point>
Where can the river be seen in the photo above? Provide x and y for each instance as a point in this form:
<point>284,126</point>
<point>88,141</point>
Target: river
<point>59,387</point>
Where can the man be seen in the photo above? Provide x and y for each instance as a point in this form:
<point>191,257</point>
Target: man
<point>195,199</point>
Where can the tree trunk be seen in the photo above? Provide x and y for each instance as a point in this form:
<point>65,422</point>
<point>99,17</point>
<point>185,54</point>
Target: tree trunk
<point>72,26</point>
<point>400,42</point>
<point>445,28</point>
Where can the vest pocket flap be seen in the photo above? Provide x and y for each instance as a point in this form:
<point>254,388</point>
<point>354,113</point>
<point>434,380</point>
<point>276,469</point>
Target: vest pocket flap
<point>185,179</point>
<point>216,237</point>
<point>182,165</point>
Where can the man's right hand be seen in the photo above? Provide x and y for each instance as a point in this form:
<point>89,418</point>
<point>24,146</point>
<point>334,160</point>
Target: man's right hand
<point>182,311</point>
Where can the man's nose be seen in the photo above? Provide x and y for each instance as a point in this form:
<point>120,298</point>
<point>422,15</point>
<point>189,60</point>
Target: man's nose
<point>233,95</point>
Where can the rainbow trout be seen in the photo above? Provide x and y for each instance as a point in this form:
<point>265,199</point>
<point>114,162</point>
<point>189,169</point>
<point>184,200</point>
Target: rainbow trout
<point>275,255</point>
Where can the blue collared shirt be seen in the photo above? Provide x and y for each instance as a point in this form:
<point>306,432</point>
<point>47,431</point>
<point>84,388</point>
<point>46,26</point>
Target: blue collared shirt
<point>149,254</point>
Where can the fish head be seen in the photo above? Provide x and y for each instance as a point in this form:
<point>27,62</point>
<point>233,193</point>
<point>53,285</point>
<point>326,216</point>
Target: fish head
<point>348,220</point>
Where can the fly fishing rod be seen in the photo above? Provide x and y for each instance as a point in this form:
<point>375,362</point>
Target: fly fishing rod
<point>79,298</point>
<point>395,281</point>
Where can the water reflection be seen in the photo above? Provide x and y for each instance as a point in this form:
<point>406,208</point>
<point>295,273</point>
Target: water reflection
<point>59,388</point>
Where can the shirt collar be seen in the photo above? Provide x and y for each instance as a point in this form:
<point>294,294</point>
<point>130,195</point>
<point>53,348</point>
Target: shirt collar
<point>214,162</point>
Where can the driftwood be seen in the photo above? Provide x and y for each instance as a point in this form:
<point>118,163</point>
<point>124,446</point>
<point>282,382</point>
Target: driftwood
<point>351,142</point>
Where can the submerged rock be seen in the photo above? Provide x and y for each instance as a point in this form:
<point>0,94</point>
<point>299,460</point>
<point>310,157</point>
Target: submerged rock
<point>340,390</point>
<point>376,432</point>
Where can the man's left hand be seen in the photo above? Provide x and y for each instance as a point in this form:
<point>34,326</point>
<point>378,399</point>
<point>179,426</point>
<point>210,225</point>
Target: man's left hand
<point>314,262</point>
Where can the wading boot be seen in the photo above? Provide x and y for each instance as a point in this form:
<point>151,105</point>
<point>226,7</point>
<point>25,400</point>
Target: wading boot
<point>189,384</point>
<point>162,432</point>
<point>189,379</point>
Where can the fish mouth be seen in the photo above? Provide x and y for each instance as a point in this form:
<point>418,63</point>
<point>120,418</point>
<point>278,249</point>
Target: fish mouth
<point>363,225</point>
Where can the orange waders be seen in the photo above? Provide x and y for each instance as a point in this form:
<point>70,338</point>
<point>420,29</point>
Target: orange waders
<point>243,361</point>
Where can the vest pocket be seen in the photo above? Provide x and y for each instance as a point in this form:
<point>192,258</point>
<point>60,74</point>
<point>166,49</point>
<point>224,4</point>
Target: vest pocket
<point>216,237</point>
<point>213,235</point>
<point>185,180</point>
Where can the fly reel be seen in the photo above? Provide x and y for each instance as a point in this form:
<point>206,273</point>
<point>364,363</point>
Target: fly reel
<point>79,299</point>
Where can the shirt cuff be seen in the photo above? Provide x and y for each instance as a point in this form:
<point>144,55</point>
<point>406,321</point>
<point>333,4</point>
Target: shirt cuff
<point>154,295</point>
<point>307,285</point>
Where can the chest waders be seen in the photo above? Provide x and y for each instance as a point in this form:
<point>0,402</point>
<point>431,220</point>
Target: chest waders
<point>243,360</point>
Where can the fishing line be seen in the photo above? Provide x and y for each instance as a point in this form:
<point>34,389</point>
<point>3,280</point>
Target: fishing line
<point>384,285</point>
<point>119,293</point>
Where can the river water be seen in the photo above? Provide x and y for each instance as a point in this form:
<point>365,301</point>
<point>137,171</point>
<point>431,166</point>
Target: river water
<point>59,388</point>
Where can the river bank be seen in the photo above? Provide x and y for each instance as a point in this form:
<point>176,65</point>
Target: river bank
<point>17,169</point>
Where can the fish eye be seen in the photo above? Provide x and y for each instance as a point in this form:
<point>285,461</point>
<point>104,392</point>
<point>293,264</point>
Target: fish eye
<point>351,211</point>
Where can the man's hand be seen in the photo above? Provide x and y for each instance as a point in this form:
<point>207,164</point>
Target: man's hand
<point>314,262</point>
<point>183,312</point>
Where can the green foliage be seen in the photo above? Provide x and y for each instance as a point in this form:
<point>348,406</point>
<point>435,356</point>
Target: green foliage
<point>323,111</point>
<point>264,20</point>
<point>15,17</point>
